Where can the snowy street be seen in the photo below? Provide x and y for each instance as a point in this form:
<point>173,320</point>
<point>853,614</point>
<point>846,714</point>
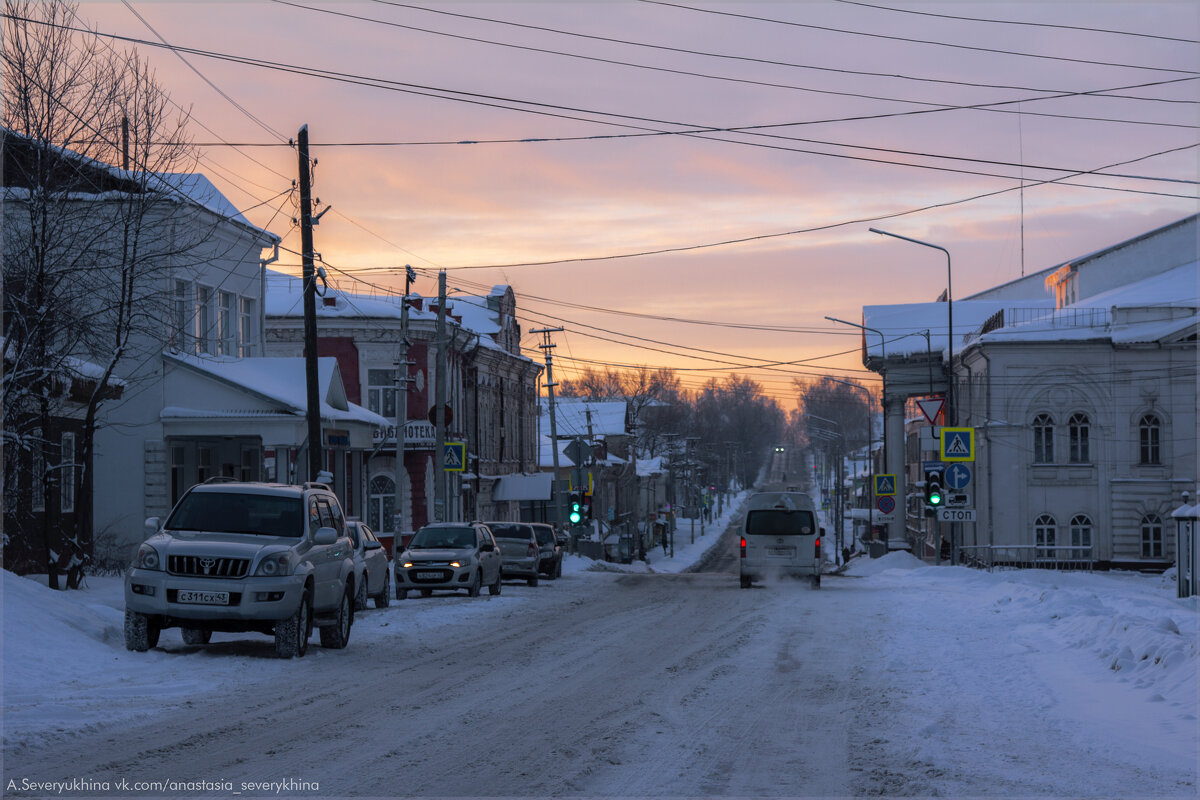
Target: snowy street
<point>893,679</point>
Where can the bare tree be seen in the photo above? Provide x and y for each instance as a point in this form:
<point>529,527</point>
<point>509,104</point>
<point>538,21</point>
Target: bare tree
<point>86,246</point>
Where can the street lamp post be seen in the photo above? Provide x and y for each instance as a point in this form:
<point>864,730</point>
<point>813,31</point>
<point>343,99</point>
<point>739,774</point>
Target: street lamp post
<point>949,320</point>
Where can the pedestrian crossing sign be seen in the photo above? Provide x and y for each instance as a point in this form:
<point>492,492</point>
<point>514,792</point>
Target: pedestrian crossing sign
<point>958,444</point>
<point>885,485</point>
<point>454,456</point>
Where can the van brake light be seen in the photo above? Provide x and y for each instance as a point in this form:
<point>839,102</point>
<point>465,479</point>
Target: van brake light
<point>743,546</point>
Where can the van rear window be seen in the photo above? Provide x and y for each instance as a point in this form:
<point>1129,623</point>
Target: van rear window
<point>780,522</point>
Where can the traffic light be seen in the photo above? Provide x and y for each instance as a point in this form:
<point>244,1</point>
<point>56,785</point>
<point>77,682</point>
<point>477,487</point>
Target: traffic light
<point>576,512</point>
<point>934,495</point>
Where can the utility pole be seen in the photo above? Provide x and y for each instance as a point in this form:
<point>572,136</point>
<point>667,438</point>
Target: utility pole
<point>313,413</point>
<point>555,495</point>
<point>399,506</point>
<point>439,408</point>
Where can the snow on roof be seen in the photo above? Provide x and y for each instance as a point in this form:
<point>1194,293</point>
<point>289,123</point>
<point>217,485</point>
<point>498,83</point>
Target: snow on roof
<point>282,379</point>
<point>903,325</point>
<point>285,298</point>
<point>475,313</point>
<point>649,466</point>
<point>608,417</point>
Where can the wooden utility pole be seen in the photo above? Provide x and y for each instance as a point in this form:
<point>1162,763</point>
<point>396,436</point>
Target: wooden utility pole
<point>313,413</point>
<point>555,494</point>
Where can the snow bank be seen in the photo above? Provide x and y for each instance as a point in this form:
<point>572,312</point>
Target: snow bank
<point>899,559</point>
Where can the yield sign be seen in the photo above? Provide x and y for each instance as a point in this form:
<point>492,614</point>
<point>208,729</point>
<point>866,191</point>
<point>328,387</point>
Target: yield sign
<point>931,407</point>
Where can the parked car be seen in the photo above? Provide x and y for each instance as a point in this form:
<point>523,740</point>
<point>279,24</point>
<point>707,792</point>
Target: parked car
<point>519,545</point>
<point>449,555</point>
<point>372,567</point>
<point>244,557</point>
<point>550,552</point>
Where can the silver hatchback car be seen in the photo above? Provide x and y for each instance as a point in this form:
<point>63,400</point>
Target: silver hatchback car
<point>449,555</point>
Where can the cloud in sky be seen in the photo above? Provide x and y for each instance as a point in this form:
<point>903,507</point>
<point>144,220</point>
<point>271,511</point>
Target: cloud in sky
<point>470,204</point>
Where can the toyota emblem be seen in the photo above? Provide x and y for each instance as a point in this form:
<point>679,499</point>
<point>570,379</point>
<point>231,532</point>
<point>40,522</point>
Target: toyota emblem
<point>207,564</point>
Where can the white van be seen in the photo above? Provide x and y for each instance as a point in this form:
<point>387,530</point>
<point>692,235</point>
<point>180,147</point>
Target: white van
<point>780,537</point>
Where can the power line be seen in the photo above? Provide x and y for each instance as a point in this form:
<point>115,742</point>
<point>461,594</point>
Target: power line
<point>998,51</point>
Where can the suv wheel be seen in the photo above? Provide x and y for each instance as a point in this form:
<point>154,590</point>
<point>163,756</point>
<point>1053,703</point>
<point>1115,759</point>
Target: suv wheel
<point>291,634</point>
<point>337,635</point>
<point>196,635</point>
<point>476,584</point>
<point>383,598</point>
<point>141,632</point>
<point>533,580</point>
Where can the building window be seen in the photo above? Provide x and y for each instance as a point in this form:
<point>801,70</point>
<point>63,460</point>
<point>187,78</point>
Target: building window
<point>1078,426</point>
<point>1149,433</point>
<point>37,471</point>
<point>248,321</point>
<point>203,463</point>
<point>1152,536</point>
<point>1043,439</point>
<point>204,320</point>
<point>67,473</point>
<point>1044,535</point>
<point>180,308</point>
<point>381,394</point>
<point>249,466</point>
<point>382,504</point>
<point>1081,531</point>
<point>178,472</point>
<point>226,331</point>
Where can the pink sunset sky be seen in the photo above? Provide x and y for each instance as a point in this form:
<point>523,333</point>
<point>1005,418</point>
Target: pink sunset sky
<point>837,81</point>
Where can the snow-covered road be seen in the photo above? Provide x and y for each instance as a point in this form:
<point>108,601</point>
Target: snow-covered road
<point>889,680</point>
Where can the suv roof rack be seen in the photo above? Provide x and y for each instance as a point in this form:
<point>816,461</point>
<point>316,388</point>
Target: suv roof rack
<point>221,479</point>
<point>316,485</point>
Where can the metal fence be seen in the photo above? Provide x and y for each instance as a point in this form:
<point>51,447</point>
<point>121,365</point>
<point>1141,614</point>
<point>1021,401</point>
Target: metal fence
<point>1021,556</point>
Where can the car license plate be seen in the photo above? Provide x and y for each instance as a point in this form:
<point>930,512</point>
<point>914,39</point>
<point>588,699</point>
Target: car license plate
<point>203,598</point>
<point>429,576</point>
<point>781,551</point>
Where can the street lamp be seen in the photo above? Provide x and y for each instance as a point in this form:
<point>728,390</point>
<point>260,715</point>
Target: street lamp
<point>949,320</point>
<point>882,343</point>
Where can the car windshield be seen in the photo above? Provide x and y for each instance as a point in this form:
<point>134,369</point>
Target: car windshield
<point>431,538</point>
<point>780,522</point>
<point>501,531</point>
<point>239,512</point>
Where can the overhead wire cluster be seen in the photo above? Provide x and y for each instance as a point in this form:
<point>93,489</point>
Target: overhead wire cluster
<point>1153,78</point>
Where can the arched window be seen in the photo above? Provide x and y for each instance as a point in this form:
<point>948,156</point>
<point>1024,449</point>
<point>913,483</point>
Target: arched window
<point>1081,531</point>
<point>1044,535</point>
<point>381,504</point>
<point>1043,439</point>
<point>1152,536</point>
<point>1149,433</point>
<point>1078,426</point>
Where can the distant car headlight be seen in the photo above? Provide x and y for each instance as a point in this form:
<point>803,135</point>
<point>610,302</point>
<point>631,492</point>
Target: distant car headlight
<point>274,565</point>
<point>147,558</point>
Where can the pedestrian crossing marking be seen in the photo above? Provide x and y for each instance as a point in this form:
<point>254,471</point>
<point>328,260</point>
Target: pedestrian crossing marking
<point>958,444</point>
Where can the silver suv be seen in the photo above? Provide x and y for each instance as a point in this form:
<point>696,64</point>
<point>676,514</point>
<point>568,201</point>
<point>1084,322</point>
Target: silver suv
<point>245,557</point>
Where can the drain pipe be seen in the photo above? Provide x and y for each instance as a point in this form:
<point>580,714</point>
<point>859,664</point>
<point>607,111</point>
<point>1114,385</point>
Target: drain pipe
<point>987,441</point>
<point>262,297</point>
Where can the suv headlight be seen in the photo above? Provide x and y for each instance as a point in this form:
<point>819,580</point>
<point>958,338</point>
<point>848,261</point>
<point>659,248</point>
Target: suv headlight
<point>274,565</point>
<point>147,558</point>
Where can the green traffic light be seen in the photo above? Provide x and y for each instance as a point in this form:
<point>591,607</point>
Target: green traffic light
<point>935,499</point>
<point>576,515</point>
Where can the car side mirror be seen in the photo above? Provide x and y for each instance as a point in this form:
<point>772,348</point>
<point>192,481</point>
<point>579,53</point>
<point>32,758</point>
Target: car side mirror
<point>822,530</point>
<point>325,536</point>
<point>152,524</point>
<point>487,547</point>
<point>372,545</point>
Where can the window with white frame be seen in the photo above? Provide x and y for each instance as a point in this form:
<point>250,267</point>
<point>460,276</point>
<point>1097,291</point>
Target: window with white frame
<point>205,323</point>
<point>1081,531</point>
<point>226,331</point>
<point>381,393</point>
<point>1149,439</point>
<point>1078,427</point>
<point>248,326</point>
<point>67,473</point>
<point>181,314</point>
<point>1152,536</point>
<point>1043,439</point>
<point>1045,533</point>
<point>381,504</point>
